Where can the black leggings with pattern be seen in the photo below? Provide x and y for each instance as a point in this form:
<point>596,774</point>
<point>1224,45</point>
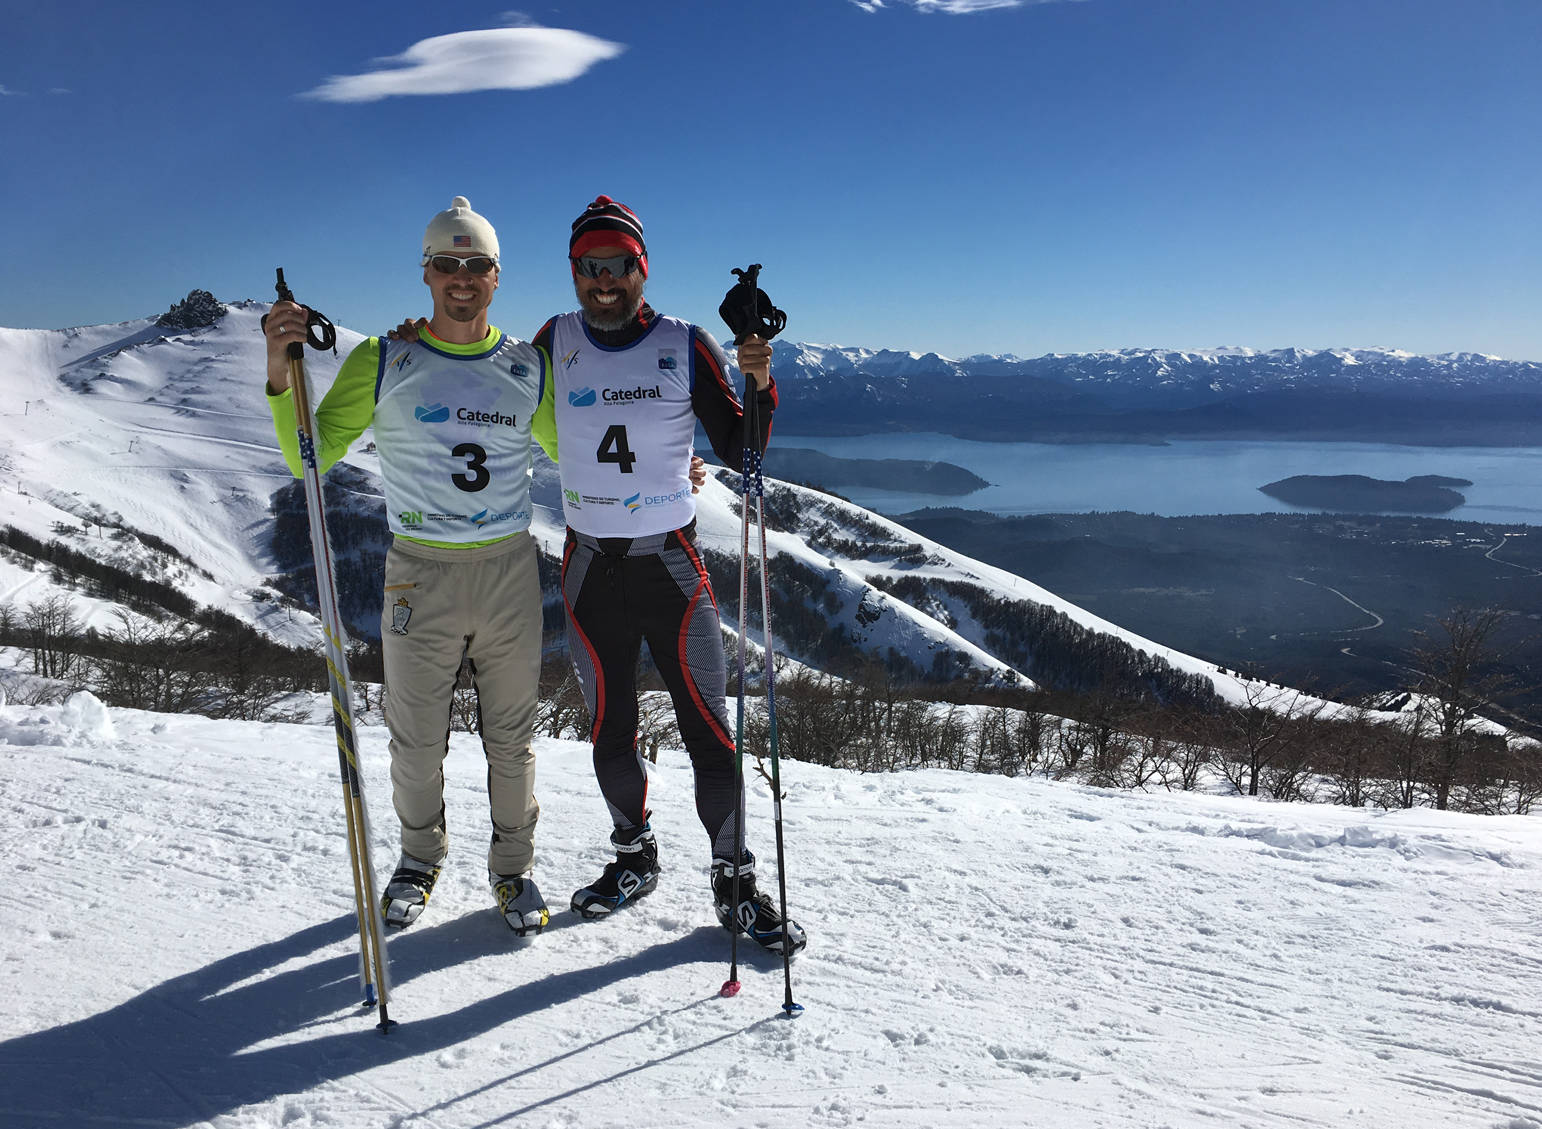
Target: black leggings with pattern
<point>619,592</point>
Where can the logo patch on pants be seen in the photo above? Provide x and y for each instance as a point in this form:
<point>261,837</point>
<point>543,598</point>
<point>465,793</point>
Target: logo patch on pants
<point>401,612</point>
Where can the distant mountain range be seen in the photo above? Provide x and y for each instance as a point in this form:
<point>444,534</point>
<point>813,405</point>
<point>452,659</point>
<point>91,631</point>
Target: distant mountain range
<point>1148,395</point>
<point>146,446</point>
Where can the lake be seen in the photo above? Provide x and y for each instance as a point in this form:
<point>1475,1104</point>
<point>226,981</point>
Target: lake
<point>1183,476</point>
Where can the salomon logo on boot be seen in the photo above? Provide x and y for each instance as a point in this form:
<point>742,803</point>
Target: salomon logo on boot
<point>754,915</point>
<point>634,873</point>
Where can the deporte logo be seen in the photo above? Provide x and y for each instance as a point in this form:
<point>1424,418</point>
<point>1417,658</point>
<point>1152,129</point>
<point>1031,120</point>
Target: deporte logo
<point>666,499</point>
<point>633,502</point>
<point>484,517</point>
<point>431,413</point>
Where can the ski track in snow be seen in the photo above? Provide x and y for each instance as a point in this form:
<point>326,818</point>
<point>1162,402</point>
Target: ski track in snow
<point>983,951</point>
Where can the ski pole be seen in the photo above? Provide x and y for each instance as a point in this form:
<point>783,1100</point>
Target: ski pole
<point>373,965</point>
<point>748,310</point>
<point>788,1006</point>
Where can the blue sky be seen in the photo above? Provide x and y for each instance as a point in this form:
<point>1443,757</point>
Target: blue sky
<point>964,176</point>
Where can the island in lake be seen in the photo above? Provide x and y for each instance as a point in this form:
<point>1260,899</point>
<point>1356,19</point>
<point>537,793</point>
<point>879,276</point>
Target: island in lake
<point>799,464</point>
<point>1357,493</point>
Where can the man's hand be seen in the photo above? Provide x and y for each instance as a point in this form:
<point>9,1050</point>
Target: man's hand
<point>755,360</point>
<point>284,326</point>
<point>698,473</point>
<point>408,330</point>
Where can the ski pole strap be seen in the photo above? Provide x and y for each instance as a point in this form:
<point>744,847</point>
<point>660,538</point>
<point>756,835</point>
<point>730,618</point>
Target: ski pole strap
<point>748,310</point>
<point>319,332</point>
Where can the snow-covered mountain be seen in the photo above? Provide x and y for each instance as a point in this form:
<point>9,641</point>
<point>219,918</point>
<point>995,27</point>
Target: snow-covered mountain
<point>1382,394</point>
<point>149,446</point>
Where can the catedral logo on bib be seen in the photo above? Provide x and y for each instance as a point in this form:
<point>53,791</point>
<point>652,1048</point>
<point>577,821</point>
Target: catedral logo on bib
<point>621,395</point>
<point>474,415</point>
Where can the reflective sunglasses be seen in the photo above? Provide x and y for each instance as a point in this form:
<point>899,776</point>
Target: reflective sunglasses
<point>449,264</point>
<point>619,267</point>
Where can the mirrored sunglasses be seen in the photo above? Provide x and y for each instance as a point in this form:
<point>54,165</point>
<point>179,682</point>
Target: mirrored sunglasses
<point>619,267</point>
<point>449,264</point>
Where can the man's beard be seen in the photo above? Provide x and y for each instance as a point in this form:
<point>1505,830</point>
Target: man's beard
<point>619,316</point>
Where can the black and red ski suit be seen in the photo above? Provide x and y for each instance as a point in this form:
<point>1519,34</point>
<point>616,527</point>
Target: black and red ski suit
<point>620,592</point>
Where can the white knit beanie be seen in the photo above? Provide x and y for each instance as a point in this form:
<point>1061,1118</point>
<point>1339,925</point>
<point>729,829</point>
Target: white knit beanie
<point>460,231</point>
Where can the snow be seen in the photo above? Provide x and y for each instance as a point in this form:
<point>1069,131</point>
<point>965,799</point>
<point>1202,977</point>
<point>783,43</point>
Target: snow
<point>984,951</point>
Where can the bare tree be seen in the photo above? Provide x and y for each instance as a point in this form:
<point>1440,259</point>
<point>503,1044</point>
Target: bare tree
<point>1347,754</point>
<point>561,711</point>
<point>1457,674</point>
<point>53,636</point>
<point>465,705</point>
<point>1408,752</point>
<point>1261,732</point>
<point>656,724</point>
<point>1188,751</point>
<point>160,666</point>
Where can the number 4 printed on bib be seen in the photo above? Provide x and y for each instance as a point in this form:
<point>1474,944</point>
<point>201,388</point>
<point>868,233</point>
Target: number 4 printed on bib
<point>613,448</point>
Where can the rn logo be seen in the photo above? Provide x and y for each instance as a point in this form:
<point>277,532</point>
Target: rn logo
<point>410,519</point>
<point>431,413</point>
<point>572,497</point>
<point>582,397</point>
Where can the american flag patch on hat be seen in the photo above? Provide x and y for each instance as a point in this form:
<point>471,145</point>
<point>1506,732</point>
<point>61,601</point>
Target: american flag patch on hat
<point>463,241</point>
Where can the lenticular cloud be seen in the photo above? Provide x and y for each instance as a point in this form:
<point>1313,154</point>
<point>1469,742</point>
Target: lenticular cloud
<point>509,58</point>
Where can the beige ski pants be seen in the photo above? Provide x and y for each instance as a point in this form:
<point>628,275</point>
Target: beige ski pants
<point>440,605</point>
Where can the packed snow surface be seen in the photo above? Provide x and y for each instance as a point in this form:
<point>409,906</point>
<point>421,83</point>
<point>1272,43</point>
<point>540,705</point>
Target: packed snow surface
<point>180,950</point>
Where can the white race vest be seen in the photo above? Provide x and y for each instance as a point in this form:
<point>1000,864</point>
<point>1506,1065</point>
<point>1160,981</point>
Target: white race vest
<point>454,438</point>
<point>625,428</point>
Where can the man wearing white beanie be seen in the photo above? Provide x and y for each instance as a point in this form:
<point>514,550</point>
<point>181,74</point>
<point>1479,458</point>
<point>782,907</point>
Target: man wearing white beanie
<point>452,415</point>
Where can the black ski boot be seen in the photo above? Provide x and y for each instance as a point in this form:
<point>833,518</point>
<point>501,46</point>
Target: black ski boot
<point>634,873</point>
<point>757,917</point>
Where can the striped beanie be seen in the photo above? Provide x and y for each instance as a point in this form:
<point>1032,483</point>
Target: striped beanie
<point>606,223</point>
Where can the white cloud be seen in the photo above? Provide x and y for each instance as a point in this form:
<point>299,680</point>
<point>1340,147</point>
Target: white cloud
<point>8,93</point>
<point>955,7</point>
<point>505,58</point>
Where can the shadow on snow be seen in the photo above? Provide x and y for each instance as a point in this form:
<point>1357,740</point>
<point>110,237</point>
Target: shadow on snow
<point>177,1054</point>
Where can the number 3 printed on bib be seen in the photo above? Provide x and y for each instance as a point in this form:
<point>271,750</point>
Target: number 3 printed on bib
<point>476,476</point>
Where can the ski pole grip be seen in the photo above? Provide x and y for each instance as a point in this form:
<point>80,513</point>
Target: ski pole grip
<point>319,332</point>
<point>748,310</point>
